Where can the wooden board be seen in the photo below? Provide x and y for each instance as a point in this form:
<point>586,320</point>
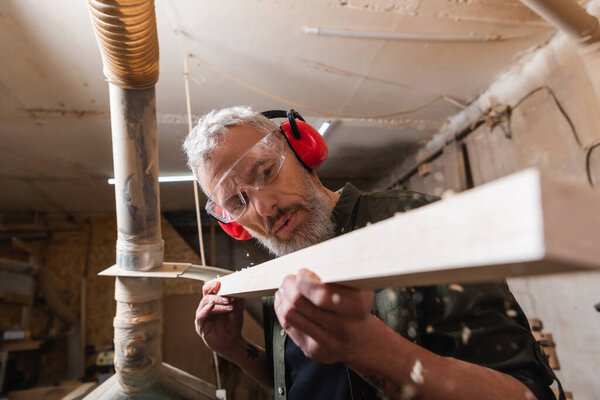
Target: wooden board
<point>454,172</point>
<point>524,224</point>
<point>539,136</point>
<point>433,182</point>
<point>179,336</point>
<point>12,283</point>
<point>184,384</point>
<point>81,391</point>
<point>58,392</point>
<point>172,380</point>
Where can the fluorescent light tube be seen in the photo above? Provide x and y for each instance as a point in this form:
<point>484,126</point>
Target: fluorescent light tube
<point>324,127</point>
<point>173,178</point>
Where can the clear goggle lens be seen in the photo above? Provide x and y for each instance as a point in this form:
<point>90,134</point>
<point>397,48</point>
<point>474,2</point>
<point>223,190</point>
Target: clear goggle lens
<point>257,168</point>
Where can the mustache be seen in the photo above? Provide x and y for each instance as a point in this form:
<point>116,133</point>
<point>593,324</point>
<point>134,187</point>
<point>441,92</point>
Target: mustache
<point>270,222</point>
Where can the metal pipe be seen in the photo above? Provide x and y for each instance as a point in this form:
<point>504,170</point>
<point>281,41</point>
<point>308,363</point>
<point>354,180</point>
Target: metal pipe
<point>126,34</point>
<point>135,156</point>
<point>568,16</point>
<point>139,245</point>
<point>577,22</point>
<point>427,37</point>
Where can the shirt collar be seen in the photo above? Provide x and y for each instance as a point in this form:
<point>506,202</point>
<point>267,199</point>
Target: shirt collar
<point>342,212</point>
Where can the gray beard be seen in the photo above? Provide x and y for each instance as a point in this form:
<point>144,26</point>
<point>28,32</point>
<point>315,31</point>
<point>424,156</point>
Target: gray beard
<point>316,228</point>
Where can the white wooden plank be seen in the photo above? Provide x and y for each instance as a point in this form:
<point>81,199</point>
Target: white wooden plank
<point>519,225</point>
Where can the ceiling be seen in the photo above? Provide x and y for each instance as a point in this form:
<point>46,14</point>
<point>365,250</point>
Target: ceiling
<point>55,146</point>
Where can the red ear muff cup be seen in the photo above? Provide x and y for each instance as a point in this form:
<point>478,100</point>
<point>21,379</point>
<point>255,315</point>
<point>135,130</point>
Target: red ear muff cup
<point>235,230</point>
<point>311,148</point>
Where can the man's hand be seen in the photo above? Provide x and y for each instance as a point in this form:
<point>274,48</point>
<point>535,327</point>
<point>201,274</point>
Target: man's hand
<point>330,323</point>
<point>219,321</point>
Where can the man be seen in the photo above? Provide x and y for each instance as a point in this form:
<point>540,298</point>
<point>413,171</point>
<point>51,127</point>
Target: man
<point>332,342</point>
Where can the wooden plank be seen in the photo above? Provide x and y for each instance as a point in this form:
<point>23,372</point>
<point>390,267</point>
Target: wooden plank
<point>3,360</point>
<point>184,384</point>
<point>57,392</point>
<point>21,345</point>
<point>433,182</point>
<point>81,391</point>
<point>17,267</point>
<point>455,175</point>
<point>491,154</point>
<point>524,224</point>
<point>12,283</point>
<point>109,389</point>
<point>543,137</point>
<point>538,136</point>
<point>172,379</point>
<point>179,336</point>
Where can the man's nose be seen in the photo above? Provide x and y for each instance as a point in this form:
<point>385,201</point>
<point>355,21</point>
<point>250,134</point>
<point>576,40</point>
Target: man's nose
<point>264,202</point>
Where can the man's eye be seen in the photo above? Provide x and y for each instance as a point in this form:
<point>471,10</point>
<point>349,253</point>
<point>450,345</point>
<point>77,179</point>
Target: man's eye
<point>234,203</point>
<point>239,204</point>
<point>268,171</point>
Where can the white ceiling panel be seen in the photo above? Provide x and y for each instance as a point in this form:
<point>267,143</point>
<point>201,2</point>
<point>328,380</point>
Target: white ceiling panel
<point>54,124</point>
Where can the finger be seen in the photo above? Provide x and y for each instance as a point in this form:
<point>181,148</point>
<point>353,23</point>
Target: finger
<point>212,309</point>
<point>208,299</point>
<point>211,287</point>
<point>290,316</point>
<point>218,309</point>
<point>343,300</point>
<point>203,313</point>
<point>294,299</point>
<point>338,325</point>
<point>217,299</point>
<point>302,330</point>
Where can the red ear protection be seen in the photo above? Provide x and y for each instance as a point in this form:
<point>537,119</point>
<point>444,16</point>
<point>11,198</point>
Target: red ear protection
<point>307,144</point>
<point>235,230</point>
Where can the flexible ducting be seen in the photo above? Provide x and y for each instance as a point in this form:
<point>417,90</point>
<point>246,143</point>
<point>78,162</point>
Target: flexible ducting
<point>128,40</point>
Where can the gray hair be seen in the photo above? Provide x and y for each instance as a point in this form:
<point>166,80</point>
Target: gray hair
<point>210,130</point>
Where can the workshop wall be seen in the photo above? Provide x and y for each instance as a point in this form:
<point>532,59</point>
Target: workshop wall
<point>91,241</point>
<point>552,125</point>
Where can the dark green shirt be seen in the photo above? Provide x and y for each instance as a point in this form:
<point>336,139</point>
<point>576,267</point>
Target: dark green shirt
<point>479,323</point>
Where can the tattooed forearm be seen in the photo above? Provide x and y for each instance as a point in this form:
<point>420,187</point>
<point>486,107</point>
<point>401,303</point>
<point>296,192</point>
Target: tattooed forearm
<point>252,352</point>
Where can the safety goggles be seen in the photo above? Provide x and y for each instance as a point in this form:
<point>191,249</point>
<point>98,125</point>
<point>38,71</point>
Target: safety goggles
<point>258,167</point>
